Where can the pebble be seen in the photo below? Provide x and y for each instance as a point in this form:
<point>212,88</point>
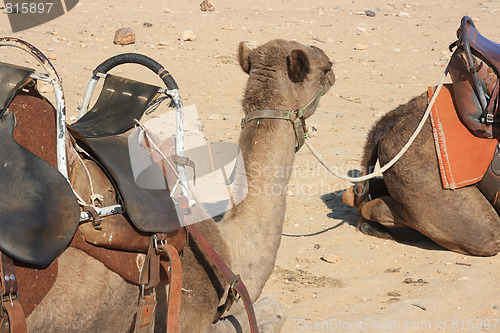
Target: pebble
<point>404,14</point>
<point>370,13</point>
<point>188,35</point>
<point>147,24</point>
<point>124,36</point>
<point>167,10</point>
<point>207,5</point>
<point>290,193</point>
<point>317,246</point>
<point>227,27</point>
<point>52,56</point>
<point>330,258</point>
<point>361,47</point>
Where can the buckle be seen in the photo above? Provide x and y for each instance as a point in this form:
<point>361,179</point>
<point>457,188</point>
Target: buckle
<point>7,298</point>
<point>489,118</point>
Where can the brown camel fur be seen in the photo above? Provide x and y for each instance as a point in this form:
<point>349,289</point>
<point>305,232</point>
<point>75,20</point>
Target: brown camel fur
<point>87,297</point>
<point>411,193</point>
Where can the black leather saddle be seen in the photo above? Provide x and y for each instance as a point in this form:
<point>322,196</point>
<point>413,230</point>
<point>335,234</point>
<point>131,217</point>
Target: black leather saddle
<point>39,211</point>
<point>105,130</point>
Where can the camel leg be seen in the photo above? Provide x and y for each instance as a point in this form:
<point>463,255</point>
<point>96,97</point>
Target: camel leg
<point>357,195</point>
<point>270,315</point>
<point>381,210</point>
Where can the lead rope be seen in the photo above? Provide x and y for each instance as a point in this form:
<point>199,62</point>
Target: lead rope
<point>398,155</point>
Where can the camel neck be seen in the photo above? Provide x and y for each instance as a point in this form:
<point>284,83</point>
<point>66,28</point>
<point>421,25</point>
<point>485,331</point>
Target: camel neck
<point>268,150</point>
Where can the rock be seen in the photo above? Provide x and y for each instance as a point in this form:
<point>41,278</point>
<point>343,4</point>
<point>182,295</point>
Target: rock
<point>227,27</point>
<point>167,10</point>
<point>163,44</point>
<point>361,47</point>
<point>370,13</point>
<point>52,56</point>
<point>188,35</point>
<point>330,258</point>
<point>124,36</point>
<point>147,24</point>
<point>207,5</point>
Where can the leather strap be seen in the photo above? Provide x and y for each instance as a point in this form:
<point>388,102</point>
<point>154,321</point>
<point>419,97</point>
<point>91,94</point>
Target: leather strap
<point>10,303</point>
<point>150,277</point>
<point>228,275</point>
<point>175,288</point>
<point>296,117</point>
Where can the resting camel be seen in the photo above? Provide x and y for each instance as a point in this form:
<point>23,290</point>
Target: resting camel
<point>411,193</point>
<point>88,297</point>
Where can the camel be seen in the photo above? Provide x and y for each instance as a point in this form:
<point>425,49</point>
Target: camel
<point>88,297</point>
<point>411,193</point>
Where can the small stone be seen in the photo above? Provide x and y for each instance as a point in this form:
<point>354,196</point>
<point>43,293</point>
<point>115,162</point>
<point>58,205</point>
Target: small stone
<point>408,280</point>
<point>52,56</point>
<point>362,29</point>
<point>163,44</point>
<point>83,45</point>
<point>330,258</point>
<point>124,36</point>
<point>290,193</point>
<point>227,27</point>
<point>188,35</point>
<point>147,24</point>
<point>404,14</point>
<point>339,115</point>
<point>393,294</point>
<point>207,5</point>
<point>317,246</point>
<point>370,13</point>
<point>361,47</point>
<point>167,10</point>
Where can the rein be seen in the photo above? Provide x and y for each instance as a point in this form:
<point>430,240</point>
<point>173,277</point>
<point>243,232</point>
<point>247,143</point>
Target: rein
<point>296,117</point>
<point>398,155</point>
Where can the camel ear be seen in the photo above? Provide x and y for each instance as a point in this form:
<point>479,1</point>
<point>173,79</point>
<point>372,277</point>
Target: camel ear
<point>298,65</point>
<point>244,56</point>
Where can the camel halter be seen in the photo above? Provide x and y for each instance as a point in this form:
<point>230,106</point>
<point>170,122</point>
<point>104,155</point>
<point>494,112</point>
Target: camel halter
<point>296,117</point>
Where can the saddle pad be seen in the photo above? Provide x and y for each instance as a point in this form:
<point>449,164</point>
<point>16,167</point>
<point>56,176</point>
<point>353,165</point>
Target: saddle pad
<point>11,77</point>
<point>149,209</point>
<point>39,210</point>
<point>463,158</point>
<point>120,102</point>
<point>34,282</point>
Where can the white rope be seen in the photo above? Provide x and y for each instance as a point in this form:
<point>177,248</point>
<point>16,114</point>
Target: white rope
<point>395,158</point>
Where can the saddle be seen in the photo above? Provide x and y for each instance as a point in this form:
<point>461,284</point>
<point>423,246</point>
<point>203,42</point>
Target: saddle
<point>104,132</point>
<point>474,69</point>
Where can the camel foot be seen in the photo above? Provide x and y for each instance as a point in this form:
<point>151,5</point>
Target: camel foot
<point>270,315</point>
<point>374,229</point>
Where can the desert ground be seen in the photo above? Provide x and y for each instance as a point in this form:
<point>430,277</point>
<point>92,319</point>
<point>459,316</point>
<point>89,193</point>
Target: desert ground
<point>329,276</point>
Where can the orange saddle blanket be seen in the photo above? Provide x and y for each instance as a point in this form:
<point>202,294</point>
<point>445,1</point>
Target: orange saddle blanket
<point>463,158</point>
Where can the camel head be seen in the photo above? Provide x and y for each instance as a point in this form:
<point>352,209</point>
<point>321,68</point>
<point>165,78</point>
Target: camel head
<point>284,75</point>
